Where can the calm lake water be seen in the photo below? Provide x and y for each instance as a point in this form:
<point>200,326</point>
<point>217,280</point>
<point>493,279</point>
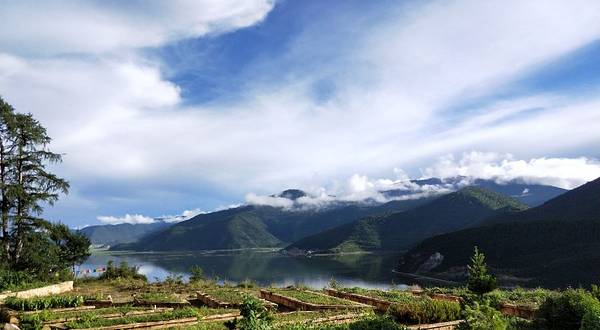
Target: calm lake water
<point>265,268</point>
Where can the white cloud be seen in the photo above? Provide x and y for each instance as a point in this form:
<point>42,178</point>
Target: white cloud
<point>132,219</point>
<point>101,27</point>
<point>567,173</point>
<point>80,69</point>
<point>185,215</point>
<point>280,202</point>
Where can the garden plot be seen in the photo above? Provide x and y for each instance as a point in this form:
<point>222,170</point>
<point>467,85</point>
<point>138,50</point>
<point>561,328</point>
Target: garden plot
<point>306,300</point>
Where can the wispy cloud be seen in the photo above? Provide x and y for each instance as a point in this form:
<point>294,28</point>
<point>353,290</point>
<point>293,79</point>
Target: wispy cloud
<point>566,173</point>
<point>131,219</point>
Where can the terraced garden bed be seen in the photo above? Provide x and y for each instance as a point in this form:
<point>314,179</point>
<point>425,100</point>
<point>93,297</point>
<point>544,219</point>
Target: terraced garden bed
<point>379,304</point>
<point>405,307</point>
<point>222,297</point>
<point>160,299</point>
<point>149,320</point>
<point>308,300</point>
<point>316,316</point>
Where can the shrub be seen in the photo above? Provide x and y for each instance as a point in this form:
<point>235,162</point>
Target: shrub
<point>39,303</point>
<point>568,311</point>
<point>482,317</point>
<point>425,310</point>
<point>122,272</point>
<point>254,316</point>
<point>197,274</point>
<point>480,282</point>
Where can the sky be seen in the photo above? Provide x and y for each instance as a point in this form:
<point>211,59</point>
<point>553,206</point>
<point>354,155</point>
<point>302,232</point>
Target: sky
<point>172,108</point>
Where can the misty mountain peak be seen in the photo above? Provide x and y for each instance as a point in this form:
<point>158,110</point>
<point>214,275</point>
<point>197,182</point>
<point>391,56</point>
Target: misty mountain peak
<point>291,194</point>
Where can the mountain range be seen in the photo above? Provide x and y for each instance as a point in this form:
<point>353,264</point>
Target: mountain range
<point>467,207</point>
<point>554,244</point>
<point>257,226</point>
<point>261,226</point>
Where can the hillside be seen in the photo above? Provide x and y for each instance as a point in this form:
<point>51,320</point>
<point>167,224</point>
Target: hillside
<point>555,244</point>
<point>257,226</point>
<point>121,233</point>
<point>396,231</point>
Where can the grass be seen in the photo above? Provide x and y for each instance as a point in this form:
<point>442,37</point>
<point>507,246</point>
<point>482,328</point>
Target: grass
<point>98,321</point>
<point>39,303</point>
<point>159,296</point>
<point>312,297</point>
<point>47,315</point>
<point>393,295</point>
<point>231,295</point>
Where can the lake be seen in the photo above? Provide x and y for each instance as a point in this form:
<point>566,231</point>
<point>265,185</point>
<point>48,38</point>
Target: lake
<point>264,267</point>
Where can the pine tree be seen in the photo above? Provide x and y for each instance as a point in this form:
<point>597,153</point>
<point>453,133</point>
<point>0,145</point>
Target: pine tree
<point>30,243</point>
<point>480,281</point>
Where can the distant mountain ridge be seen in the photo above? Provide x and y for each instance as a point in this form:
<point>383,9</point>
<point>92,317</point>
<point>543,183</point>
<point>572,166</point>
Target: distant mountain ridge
<point>554,244</point>
<point>120,233</point>
<point>396,231</point>
<point>253,226</point>
<point>256,227</point>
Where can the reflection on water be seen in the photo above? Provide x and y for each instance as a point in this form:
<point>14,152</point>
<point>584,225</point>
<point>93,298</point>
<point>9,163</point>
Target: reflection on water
<point>266,268</point>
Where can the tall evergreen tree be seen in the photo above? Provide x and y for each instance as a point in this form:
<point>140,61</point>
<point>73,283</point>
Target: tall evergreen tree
<point>26,187</point>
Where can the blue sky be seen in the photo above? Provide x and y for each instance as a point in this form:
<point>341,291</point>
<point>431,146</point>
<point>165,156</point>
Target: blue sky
<point>163,108</point>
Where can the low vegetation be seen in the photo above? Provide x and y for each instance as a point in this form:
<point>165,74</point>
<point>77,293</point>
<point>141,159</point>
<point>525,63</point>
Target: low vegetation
<point>228,294</point>
<point>90,321</point>
<point>42,303</point>
<point>310,297</point>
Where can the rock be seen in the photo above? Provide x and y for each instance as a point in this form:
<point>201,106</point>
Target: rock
<point>431,263</point>
<point>10,326</point>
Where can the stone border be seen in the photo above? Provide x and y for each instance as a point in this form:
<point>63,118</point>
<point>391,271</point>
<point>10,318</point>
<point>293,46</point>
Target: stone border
<point>436,326</point>
<point>145,325</point>
<point>519,311</point>
<point>174,304</point>
<point>40,292</point>
<point>213,302</point>
<point>296,304</point>
<point>379,304</point>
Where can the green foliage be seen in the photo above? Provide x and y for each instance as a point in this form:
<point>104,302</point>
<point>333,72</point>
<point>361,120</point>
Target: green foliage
<point>311,297</point>
<point>519,296</point>
<point>590,320</point>
<point>124,271</point>
<point>19,280</point>
<point>197,274</point>
<point>572,309</point>
<point>399,296</point>
<point>174,278</point>
<point>482,317</point>
<point>254,316</point>
<point>480,282</point>
<point>423,309</point>
<point>227,294</point>
<point>39,303</point>
<point>92,321</point>
<point>333,283</point>
<point>247,284</point>
<point>596,291</point>
<point>29,243</point>
<point>366,323</point>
